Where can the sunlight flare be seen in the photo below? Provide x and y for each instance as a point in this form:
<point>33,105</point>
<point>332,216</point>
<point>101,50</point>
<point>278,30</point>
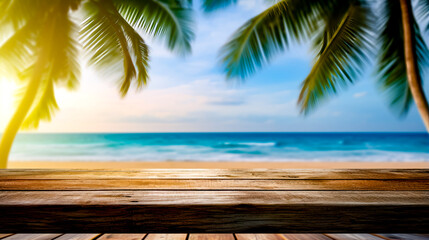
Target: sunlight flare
<point>7,102</point>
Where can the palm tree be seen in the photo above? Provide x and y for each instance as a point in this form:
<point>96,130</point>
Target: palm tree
<point>43,47</point>
<point>345,34</point>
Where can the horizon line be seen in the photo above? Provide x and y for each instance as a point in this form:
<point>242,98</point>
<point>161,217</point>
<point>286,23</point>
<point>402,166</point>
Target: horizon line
<point>353,132</point>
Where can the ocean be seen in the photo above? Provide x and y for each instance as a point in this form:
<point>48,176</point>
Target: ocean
<point>367,147</point>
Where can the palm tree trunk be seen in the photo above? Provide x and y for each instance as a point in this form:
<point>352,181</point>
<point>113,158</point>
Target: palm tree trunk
<point>413,74</point>
<point>19,116</point>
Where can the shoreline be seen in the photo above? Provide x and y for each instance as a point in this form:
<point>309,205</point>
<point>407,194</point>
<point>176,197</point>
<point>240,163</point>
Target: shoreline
<point>212,165</point>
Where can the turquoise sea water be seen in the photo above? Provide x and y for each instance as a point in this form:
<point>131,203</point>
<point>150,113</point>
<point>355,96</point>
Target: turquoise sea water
<point>223,147</point>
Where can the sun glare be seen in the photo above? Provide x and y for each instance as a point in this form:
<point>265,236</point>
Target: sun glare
<point>7,99</point>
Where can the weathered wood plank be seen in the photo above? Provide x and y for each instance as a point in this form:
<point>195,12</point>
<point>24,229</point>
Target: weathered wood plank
<point>405,236</point>
<point>211,237</point>
<point>3,235</point>
<point>215,211</point>
<point>166,237</point>
<point>24,236</point>
<point>353,237</point>
<point>260,237</point>
<point>78,236</point>
<point>126,236</point>
<point>306,237</point>
<point>212,184</point>
<point>213,198</point>
<point>215,201</point>
<point>422,174</point>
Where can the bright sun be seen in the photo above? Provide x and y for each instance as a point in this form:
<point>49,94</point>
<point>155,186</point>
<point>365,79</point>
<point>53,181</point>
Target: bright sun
<point>7,100</point>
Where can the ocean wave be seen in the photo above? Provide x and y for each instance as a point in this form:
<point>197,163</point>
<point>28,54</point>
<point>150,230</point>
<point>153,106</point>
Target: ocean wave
<point>205,154</point>
<point>260,144</point>
<point>223,147</point>
<point>245,144</point>
<point>245,152</point>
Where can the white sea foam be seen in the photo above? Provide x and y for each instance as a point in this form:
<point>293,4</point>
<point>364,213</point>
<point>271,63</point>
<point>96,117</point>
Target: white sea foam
<point>259,144</point>
<point>223,147</point>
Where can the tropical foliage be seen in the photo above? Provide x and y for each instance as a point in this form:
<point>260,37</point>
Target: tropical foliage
<point>44,39</point>
<point>342,34</point>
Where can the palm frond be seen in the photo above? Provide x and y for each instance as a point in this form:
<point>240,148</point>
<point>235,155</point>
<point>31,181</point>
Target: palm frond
<point>16,53</point>
<point>20,12</point>
<point>329,25</point>
<point>343,52</point>
<point>165,19</point>
<point>140,50</point>
<point>422,10</point>
<point>55,59</point>
<point>46,105</point>
<point>110,39</point>
<point>138,47</point>
<point>99,38</point>
<point>211,5</point>
<point>270,32</point>
<point>391,63</point>
<point>64,62</point>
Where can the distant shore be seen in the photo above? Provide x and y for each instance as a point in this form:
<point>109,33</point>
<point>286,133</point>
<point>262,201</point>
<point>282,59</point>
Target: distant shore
<point>227,165</point>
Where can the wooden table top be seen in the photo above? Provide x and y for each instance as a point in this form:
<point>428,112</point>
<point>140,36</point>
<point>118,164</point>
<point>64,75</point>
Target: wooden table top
<point>152,236</point>
<point>215,201</point>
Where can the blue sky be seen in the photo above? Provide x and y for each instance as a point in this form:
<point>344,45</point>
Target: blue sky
<point>191,94</point>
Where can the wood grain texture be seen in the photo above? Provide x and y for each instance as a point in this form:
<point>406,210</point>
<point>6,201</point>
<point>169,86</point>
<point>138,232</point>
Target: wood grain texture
<point>250,236</point>
<point>78,236</point>
<point>23,236</point>
<point>211,237</point>
<point>397,236</point>
<point>306,237</point>
<point>353,237</point>
<point>271,174</point>
<point>260,237</point>
<point>3,235</point>
<point>126,236</point>
<point>166,237</point>
<point>214,201</point>
<point>212,184</point>
<point>217,212</point>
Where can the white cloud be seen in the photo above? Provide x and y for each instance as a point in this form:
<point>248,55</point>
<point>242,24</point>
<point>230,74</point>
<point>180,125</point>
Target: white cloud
<point>359,94</point>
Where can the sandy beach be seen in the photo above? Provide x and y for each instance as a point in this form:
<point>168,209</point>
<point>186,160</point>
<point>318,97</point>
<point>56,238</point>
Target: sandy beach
<point>225,165</point>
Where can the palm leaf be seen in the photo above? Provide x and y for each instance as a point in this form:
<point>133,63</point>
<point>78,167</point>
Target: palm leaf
<point>58,52</point>
<point>341,56</point>
<point>141,53</point>
<point>270,32</point>
<point>104,38</point>
<point>19,50</point>
<point>422,10</point>
<point>46,105</point>
<point>64,62</point>
<point>107,34</point>
<point>139,48</point>
<point>391,63</point>
<point>16,53</point>
<point>165,19</point>
<point>99,38</point>
<point>20,12</point>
